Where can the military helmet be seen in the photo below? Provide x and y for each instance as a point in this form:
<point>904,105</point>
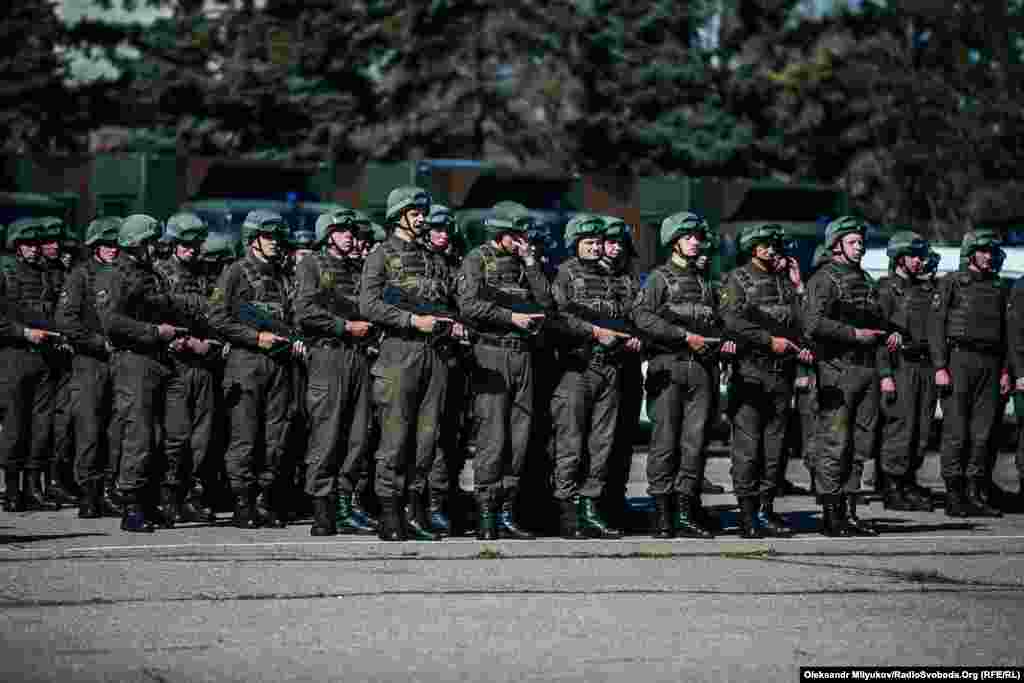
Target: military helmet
<point>50,228</point>
<point>510,209</point>
<point>583,225</point>
<point>263,222</point>
<point>495,226</point>
<point>841,227</point>
<point>217,246</point>
<point>138,229</point>
<point>752,235</point>
<point>326,223</point>
<point>907,243</point>
<point>982,238</point>
<point>187,227</point>
<point>378,232</point>
<point>23,230</point>
<point>822,255</point>
<point>406,197</point>
<point>615,228</point>
<point>683,223</point>
<point>363,224</point>
<point>441,218</point>
<point>104,230</point>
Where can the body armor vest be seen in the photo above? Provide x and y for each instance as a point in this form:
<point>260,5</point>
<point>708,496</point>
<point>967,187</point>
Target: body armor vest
<point>976,309</point>
<point>692,298</point>
<point>591,288</point>
<point>625,289</point>
<point>770,300</point>
<point>911,307</point>
<point>856,302</point>
<point>420,273</point>
<point>94,278</point>
<point>269,291</point>
<point>504,272</point>
<point>153,287</point>
<point>31,295</point>
<point>339,284</point>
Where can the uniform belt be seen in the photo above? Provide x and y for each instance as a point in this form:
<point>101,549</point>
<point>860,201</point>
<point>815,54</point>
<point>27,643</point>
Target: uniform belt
<point>772,363</point>
<point>977,346</point>
<point>407,334</point>
<point>503,342</point>
<point>863,357</point>
<point>915,355</point>
<point>603,358</point>
<point>327,343</point>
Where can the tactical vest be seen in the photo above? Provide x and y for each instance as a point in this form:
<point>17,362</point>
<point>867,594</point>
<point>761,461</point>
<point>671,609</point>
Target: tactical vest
<point>911,307</point>
<point>625,289</point>
<point>420,273</point>
<point>339,282</point>
<point>269,291</point>
<point>181,281</point>
<point>770,299</point>
<point>856,302</point>
<point>94,278</point>
<point>691,296</point>
<point>975,309</point>
<point>146,280</point>
<point>505,272</point>
<point>590,287</point>
<point>31,295</point>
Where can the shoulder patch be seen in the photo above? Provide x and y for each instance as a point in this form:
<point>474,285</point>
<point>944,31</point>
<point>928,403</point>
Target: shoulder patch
<point>327,280</point>
<point>217,296</point>
<point>937,300</point>
<point>64,296</point>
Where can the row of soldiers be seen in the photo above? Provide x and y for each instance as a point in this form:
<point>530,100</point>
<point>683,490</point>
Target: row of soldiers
<point>377,363</point>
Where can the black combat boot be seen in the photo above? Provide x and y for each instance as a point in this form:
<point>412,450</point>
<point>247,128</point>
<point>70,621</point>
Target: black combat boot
<point>569,519</point>
<point>417,526</point>
<point>439,521</point>
<point>859,526</point>
<point>894,496</point>
<point>956,501</point>
<point>244,513</point>
<point>487,526</point>
<point>133,518</point>
<point>346,520</point>
<point>746,518</point>
<point>591,523</point>
<point>268,508</point>
<point>14,502</point>
<point>772,523</point>
<point>90,504</point>
<point>833,521</point>
<point>167,508</point>
<point>323,517</point>
<point>976,496</point>
<point>392,526</point>
<point>663,528</point>
<point>32,492</point>
<point>687,520</point>
<point>919,496</point>
<point>361,515</point>
<point>56,492</point>
<point>191,507</point>
<point>508,526</point>
<point>111,499</point>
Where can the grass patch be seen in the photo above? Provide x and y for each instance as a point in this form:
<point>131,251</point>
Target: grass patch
<point>489,554</point>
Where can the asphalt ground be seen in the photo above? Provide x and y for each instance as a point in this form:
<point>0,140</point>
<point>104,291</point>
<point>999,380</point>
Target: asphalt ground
<point>80,600</point>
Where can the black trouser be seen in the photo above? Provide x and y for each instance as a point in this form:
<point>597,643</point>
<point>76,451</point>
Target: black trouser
<point>451,450</point>
<point>64,410</point>
<point>585,411</point>
<point>140,387</point>
<point>257,396</point>
<point>631,398</point>
<point>28,420</point>
<point>93,387</point>
<point>410,379</point>
<point>969,414</point>
<point>908,419</point>
<point>847,422</point>
<point>760,412</point>
<point>682,392</point>
<point>188,422</point>
<point>503,387</point>
<point>807,415</point>
<point>338,405</point>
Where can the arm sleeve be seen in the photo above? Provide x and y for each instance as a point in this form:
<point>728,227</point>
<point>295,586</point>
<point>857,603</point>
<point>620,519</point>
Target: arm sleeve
<point>819,327</point>
<point>574,324</point>
<point>310,316</point>
<point>885,303</point>
<point>10,329</point>
<point>733,309</point>
<point>645,316</point>
<point>539,286</point>
<point>222,311</point>
<point>937,329</point>
<point>116,323</point>
<point>371,295</point>
<point>70,308</point>
<point>471,304</point>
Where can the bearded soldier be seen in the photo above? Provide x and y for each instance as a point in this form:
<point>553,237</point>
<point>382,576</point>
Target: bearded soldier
<point>250,310</point>
<point>969,352</point>
<point>338,395</point>
<point>908,379</point>
<point>678,308</point>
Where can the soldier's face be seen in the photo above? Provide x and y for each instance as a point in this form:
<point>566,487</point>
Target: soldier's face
<point>612,248</point>
<point>267,245</point>
<point>186,253</point>
<point>342,240</point>
<point>853,247</point>
<point>913,264</point>
<point>29,251</point>
<point>766,253</point>
<point>688,246</point>
<point>413,220</point>
<point>107,253</point>
<point>589,248</point>
<point>983,259</point>
<point>51,249</point>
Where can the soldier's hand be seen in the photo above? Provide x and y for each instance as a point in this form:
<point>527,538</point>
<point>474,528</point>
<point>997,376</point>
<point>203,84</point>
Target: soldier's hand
<point>178,345</point>
<point>298,348</point>
<point>166,331</point>
<point>889,387</point>
<point>527,321</point>
<point>268,340</point>
<point>942,377</point>
<point>358,328</point>
<point>696,342</point>
<point>1004,384</point>
<point>634,345</point>
<point>604,336</point>
<point>894,342</point>
<point>108,346</point>
<point>794,272</point>
<point>1020,384</point>
<point>806,357</point>
<point>802,382</point>
<point>459,331</point>
<point>425,323</point>
<point>35,336</point>
<point>200,347</point>
<point>728,348</point>
<point>781,345</point>
<point>867,336</point>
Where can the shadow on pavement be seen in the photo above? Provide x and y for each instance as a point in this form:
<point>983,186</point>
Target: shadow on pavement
<point>7,539</point>
<point>910,526</point>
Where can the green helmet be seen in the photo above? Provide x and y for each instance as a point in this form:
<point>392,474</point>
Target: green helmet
<point>822,255</point>
<point>263,222</point>
<point>339,219</point>
<point>187,227</point>
<point>50,229</point>
<point>137,229</point>
<point>406,197</point>
<point>217,246</point>
<point>495,226</point>
<point>615,228</point>
<point>841,227</point>
<point>104,230</point>
<point>583,225</point>
<point>378,232</point>
<point>683,223</point>
<point>752,235</point>
<point>441,218</point>
<point>23,230</point>
<point>974,240</point>
<point>364,226</point>
<point>907,243</point>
